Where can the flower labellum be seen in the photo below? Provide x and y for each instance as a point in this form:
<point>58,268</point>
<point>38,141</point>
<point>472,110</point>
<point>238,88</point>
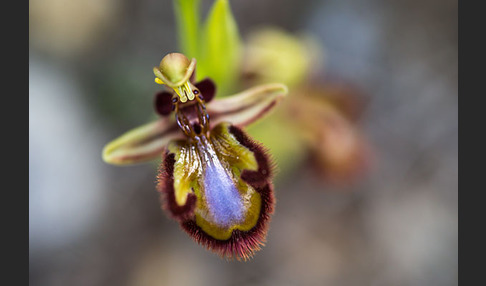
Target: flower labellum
<point>214,179</point>
<point>219,187</point>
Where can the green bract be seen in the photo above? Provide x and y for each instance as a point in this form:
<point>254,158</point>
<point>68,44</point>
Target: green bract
<point>216,44</point>
<point>187,18</point>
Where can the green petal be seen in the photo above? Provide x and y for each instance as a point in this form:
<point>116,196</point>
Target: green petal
<point>248,106</point>
<point>141,144</point>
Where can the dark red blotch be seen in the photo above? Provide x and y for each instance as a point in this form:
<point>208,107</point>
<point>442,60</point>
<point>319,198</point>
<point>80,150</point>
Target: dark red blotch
<point>163,102</point>
<point>207,89</point>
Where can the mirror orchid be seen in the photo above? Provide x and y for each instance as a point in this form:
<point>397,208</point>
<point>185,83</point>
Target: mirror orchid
<point>214,179</point>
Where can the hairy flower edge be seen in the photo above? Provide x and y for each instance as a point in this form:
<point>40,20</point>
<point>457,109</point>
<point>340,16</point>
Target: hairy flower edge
<point>241,245</point>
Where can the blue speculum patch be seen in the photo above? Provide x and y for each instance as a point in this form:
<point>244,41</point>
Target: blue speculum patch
<point>224,201</point>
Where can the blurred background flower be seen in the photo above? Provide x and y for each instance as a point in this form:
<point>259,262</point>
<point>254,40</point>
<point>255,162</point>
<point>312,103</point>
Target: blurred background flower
<point>387,79</point>
<point>317,118</point>
<point>70,28</point>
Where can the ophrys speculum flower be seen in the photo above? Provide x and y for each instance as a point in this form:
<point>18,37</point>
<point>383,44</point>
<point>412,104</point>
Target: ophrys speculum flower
<point>214,179</point>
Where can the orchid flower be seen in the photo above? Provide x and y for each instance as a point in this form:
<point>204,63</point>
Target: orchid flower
<point>320,116</point>
<point>214,179</point>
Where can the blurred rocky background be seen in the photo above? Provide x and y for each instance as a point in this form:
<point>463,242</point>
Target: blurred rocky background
<point>90,78</point>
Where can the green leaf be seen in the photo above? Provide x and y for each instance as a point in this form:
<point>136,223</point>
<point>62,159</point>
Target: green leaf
<point>187,18</point>
<point>220,48</point>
